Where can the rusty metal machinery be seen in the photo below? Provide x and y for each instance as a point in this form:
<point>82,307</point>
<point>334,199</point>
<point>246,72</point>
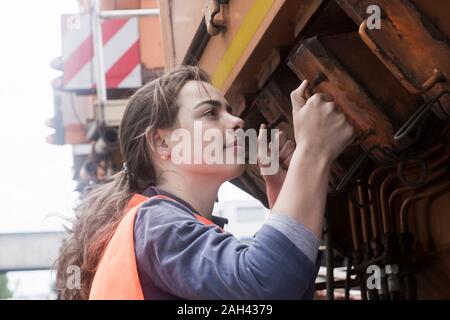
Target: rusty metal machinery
<point>389,199</point>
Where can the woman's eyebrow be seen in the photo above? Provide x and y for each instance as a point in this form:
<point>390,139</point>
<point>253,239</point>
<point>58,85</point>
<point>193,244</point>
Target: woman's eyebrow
<point>215,103</point>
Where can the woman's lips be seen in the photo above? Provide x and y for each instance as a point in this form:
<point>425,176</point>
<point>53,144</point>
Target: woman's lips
<point>234,144</point>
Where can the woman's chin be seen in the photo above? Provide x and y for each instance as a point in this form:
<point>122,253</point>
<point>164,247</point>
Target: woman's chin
<point>223,172</point>
<point>234,170</point>
<point>228,171</point>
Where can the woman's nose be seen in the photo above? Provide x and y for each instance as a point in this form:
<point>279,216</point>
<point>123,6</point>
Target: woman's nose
<point>236,123</point>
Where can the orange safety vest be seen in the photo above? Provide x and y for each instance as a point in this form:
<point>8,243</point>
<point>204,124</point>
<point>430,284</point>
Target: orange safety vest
<point>117,277</point>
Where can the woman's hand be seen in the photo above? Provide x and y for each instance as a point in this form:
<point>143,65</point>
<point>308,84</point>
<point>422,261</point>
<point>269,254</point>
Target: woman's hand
<point>321,130</point>
<point>321,133</point>
<point>286,148</point>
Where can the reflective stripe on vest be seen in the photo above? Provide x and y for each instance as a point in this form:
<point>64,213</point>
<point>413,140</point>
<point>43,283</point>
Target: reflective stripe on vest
<point>117,277</point>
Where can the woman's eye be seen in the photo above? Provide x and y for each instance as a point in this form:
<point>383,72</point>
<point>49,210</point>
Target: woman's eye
<point>210,113</point>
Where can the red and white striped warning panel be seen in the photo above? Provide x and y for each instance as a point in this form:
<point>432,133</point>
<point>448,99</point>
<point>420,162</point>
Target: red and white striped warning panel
<point>120,50</point>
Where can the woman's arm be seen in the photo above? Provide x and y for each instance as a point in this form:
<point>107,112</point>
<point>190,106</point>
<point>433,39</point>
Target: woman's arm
<point>303,194</point>
<point>321,134</point>
<point>187,259</point>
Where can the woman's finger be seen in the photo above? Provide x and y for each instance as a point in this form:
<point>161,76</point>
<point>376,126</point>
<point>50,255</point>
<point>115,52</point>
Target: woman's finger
<point>286,153</point>
<point>282,138</point>
<point>298,98</point>
<point>262,139</point>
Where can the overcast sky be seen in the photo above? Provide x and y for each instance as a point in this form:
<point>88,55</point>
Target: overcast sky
<point>36,177</point>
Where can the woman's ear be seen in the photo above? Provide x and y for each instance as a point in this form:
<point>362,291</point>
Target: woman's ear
<point>157,139</point>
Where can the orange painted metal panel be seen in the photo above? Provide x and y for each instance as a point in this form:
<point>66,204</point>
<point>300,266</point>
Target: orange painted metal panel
<point>151,43</point>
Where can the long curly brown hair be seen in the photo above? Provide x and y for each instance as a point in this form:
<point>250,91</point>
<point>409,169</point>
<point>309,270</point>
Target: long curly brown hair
<point>102,206</point>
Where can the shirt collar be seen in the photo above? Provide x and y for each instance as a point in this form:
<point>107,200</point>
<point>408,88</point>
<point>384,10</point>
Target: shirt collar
<point>152,191</point>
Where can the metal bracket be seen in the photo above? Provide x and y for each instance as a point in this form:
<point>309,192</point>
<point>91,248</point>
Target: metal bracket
<point>436,77</point>
<point>416,119</point>
<point>213,26</point>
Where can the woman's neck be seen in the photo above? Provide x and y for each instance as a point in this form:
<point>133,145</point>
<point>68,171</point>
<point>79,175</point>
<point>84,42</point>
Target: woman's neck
<point>200,193</point>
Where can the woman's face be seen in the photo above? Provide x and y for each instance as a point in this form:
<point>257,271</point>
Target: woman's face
<point>205,138</point>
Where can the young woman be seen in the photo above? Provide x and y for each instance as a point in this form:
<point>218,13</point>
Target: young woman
<point>148,232</point>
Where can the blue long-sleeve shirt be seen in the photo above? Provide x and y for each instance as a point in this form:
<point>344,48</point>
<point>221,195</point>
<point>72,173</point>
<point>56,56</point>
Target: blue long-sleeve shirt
<point>180,257</point>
